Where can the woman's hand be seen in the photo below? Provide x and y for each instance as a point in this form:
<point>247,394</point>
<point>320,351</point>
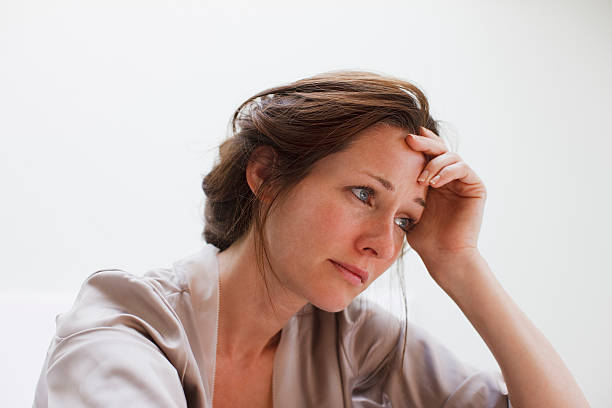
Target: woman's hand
<point>446,239</point>
<point>449,227</point>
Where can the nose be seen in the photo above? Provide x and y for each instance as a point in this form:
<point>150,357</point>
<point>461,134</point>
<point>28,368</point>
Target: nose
<point>378,238</point>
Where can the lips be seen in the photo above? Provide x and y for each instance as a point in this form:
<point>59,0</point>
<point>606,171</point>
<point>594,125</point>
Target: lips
<point>363,275</point>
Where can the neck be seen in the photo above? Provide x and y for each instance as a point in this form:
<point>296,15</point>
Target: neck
<point>251,313</point>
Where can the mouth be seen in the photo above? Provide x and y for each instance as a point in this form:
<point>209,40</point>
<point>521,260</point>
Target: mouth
<point>354,271</point>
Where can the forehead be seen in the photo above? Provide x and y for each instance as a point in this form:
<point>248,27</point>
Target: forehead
<point>380,149</point>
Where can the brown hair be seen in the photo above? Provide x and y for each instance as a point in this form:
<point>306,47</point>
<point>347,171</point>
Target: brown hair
<point>303,122</point>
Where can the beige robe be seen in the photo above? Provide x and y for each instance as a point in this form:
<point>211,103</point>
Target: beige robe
<point>150,341</point>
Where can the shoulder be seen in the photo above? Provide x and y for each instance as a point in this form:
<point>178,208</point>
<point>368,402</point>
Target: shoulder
<point>157,304</point>
<point>120,344</point>
<point>116,298</point>
<point>136,331</point>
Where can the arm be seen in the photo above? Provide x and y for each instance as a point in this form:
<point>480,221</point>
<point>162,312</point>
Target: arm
<point>534,373</point>
<point>446,238</point>
<point>108,367</point>
<point>116,347</point>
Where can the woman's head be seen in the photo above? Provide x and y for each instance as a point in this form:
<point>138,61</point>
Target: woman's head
<point>293,135</point>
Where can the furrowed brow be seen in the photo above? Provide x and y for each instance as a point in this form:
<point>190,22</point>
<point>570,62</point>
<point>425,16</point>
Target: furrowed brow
<point>390,187</point>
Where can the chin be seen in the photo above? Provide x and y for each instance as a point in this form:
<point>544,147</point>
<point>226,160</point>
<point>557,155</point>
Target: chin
<point>331,293</point>
<point>331,309</point>
<point>332,305</point>
<point>334,310</point>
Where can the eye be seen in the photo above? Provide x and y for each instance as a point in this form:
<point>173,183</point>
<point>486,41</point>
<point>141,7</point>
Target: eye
<point>407,224</point>
<point>365,194</point>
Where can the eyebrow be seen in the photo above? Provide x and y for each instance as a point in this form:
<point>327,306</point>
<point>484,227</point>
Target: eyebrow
<point>390,187</point>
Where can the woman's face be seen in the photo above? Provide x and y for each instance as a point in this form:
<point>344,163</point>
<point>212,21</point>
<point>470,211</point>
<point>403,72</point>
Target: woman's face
<point>351,209</point>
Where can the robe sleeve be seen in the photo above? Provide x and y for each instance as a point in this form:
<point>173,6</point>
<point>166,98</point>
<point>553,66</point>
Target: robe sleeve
<point>109,367</point>
<point>103,353</point>
<point>429,375</point>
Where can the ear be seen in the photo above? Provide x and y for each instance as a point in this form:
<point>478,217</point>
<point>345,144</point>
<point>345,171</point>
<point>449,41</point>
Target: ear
<point>260,166</point>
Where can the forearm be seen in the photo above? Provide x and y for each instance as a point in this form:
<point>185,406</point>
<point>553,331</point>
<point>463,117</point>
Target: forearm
<point>534,373</point>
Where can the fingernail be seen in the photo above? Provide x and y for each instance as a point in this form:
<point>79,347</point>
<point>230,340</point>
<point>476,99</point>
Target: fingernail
<point>423,176</point>
<point>434,180</point>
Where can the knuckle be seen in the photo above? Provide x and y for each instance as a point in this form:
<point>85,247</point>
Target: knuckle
<point>454,156</point>
<point>444,172</point>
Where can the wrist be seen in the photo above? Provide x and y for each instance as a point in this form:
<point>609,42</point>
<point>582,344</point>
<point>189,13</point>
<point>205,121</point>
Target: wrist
<point>451,269</point>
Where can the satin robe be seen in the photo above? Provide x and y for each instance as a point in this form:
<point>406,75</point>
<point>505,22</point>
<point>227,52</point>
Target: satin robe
<point>150,341</point>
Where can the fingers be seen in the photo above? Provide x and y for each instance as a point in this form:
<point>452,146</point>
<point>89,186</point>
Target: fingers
<point>423,131</point>
<point>427,142</point>
<point>458,170</point>
<point>434,166</point>
<point>445,168</point>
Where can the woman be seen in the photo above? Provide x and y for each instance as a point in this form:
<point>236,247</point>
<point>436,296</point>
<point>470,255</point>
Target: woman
<point>310,202</point>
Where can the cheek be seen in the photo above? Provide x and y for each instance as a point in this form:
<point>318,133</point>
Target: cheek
<point>328,223</point>
<point>315,226</point>
<point>338,224</point>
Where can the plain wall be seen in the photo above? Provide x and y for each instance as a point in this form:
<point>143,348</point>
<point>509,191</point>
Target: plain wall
<point>111,111</point>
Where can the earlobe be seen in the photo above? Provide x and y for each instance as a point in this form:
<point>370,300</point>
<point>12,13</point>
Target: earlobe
<point>259,168</point>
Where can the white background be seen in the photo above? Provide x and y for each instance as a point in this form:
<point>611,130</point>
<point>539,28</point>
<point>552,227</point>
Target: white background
<point>110,113</point>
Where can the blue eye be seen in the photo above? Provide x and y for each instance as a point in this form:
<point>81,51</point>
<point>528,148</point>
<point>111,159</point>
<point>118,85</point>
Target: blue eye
<point>407,224</point>
<point>365,194</point>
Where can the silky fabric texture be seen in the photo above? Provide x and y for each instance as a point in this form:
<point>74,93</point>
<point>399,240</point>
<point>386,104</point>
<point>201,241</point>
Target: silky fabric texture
<point>150,341</point>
